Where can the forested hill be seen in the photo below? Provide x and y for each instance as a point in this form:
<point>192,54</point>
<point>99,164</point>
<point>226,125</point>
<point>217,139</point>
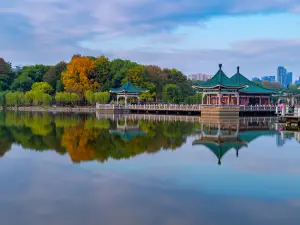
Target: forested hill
<point>87,74</point>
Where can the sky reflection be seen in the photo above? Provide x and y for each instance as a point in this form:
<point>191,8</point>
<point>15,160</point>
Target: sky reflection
<point>183,186</point>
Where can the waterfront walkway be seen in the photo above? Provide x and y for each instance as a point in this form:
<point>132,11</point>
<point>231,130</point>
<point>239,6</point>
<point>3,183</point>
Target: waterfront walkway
<point>173,108</point>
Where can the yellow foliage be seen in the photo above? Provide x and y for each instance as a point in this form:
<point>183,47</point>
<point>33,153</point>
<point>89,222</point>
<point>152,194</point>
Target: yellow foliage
<point>77,76</point>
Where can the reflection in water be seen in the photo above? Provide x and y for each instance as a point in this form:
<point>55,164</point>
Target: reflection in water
<point>169,187</point>
<point>222,137</point>
<point>87,138</point>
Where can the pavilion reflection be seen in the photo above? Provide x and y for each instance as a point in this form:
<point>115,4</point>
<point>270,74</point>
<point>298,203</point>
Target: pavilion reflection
<point>127,129</point>
<point>222,136</point>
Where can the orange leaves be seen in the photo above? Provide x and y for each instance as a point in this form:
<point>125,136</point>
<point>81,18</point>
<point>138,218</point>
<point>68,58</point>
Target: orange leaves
<point>79,75</point>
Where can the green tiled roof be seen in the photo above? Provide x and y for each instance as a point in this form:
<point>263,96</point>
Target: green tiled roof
<point>292,92</point>
<point>240,79</point>
<point>128,88</point>
<point>220,79</point>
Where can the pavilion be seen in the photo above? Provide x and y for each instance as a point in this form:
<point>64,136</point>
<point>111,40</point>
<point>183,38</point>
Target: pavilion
<point>252,94</point>
<point>220,90</point>
<point>237,90</point>
<point>128,90</point>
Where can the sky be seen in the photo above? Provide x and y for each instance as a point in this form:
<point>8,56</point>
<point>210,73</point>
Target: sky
<point>193,36</point>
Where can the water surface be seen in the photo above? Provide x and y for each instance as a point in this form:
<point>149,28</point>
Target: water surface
<point>82,169</point>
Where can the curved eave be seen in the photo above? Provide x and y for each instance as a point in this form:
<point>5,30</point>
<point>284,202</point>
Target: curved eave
<point>124,91</point>
<point>222,86</point>
<point>265,93</point>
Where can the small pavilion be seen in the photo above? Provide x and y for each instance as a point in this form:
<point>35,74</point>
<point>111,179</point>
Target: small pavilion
<point>128,90</point>
<point>290,96</point>
<point>220,90</point>
<point>251,94</point>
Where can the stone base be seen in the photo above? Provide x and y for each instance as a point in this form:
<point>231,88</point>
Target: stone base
<point>216,112</point>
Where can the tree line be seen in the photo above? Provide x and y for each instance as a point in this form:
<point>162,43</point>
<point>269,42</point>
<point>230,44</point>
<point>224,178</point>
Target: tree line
<point>87,79</point>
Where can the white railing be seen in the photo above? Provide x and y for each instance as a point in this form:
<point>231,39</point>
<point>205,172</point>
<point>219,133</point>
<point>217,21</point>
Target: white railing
<point>258,108</point>
<point>164,107</point>
<point>285,111</point>
<point>186,108</point>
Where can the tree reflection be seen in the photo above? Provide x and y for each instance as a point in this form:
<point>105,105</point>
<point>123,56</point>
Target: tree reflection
<point>84,137</point>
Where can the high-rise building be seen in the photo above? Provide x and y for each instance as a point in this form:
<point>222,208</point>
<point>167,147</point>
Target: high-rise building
<point>297,82</point>
<point>199,76</point>
<point>288,79</point>
<point>284,77</point>
<point>269,78</point>
<point>281,74</point>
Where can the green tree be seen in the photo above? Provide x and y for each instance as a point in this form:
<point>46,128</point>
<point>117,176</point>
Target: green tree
<point>35,72</point>
<point>172,94</point>
<point>22,83</point>
<point>135,75</point>
<point>102,69</point>
<point>101,97</point>
<point>53,75</point>
<point>15,98</point>
<point>2,99</point>
<point>43,87</point>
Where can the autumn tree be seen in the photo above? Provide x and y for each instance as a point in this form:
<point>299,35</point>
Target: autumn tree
<point>77,77</point>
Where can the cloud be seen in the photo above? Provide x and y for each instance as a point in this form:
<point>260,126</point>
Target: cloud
<point>52,30</point>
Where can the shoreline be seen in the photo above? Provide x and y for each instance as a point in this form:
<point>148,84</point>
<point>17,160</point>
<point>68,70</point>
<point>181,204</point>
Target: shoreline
<point>50,109</point>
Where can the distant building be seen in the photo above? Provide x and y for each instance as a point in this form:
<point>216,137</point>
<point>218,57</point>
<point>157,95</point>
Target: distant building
<point>16,68</point>
<point>269,78</point>
<point>281,74</point>
<point>297,82</point>
<point>199,76</point>
<point>284,77</point>
<point>289,79</point>
<point>256,79</point>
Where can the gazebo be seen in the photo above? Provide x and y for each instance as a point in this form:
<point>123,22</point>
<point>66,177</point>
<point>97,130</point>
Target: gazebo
<point>251,94</point>
<point>220,90</point>
<point>128,90</point>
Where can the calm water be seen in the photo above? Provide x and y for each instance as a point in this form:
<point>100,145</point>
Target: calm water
<point>79,169</point>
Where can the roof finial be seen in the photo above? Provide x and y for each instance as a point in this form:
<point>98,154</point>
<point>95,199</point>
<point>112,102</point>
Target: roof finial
<point>220,66</point>
<point>238,69</point>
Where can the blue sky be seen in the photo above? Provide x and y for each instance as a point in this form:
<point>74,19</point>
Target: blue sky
<point>191,35</point>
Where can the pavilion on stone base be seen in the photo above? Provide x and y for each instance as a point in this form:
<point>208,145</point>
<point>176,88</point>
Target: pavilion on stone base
<point>128,90</point>
<point>237,90</point>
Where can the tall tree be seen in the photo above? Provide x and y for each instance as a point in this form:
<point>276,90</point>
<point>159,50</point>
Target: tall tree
<point>102,69</point>
<point>76,77</point>
<point>53,75</point>
<point>135,75</point>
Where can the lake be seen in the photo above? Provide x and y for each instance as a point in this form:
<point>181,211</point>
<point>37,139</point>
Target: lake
<point>76,169</point>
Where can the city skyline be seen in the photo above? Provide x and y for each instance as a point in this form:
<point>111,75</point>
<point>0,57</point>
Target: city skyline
<point>186,35</point>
